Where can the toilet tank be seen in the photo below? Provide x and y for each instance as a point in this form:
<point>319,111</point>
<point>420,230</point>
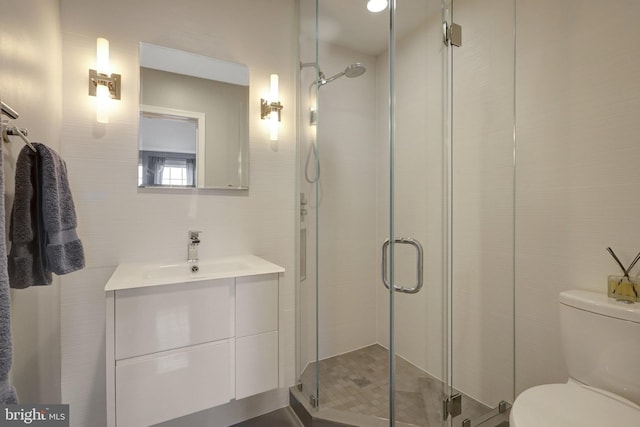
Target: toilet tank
<point>601,342</point>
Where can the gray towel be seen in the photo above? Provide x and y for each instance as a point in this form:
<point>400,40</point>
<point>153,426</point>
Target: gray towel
<point>63,248</point>
<point>7,392</point>
<point>26,257</point>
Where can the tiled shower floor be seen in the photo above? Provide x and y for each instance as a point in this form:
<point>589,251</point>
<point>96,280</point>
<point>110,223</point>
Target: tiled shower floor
<point>357,382</point>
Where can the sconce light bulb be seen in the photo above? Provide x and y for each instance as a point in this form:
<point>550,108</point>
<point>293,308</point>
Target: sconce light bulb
<point>102,55</point>
<point>273,94</point>
<point>102,104</point>
<point>273,126</point>
<point>274,115</point>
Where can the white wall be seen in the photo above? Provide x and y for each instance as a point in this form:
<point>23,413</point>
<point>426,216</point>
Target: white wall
<point>346,204</point>
<point>578,103</point>
<point>119,223</point>
<point>30,73</point>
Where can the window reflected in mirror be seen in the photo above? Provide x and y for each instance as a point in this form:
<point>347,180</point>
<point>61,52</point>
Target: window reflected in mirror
<point>169,142</point>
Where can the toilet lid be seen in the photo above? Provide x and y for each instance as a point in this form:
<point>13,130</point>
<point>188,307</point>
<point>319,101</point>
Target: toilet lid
<point>569,405</point>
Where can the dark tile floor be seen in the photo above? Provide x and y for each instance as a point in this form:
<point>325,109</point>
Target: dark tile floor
<point>281,418</point>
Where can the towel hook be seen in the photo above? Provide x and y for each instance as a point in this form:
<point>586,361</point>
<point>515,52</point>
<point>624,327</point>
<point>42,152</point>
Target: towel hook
<point>15,131</point>
<point>12,130</point>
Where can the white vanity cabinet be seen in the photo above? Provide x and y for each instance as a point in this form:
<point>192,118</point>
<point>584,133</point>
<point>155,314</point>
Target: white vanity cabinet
<point>196,342</point>
<point>256,334</point>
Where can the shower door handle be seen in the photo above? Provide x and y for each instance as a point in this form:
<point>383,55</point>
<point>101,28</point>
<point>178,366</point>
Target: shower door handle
<point>419,265</point>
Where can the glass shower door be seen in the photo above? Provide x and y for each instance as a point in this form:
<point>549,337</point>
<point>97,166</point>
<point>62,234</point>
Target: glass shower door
<point>417,213</point>
<point>452,188</point>
<point>372,171</point>
<point>482,166</point>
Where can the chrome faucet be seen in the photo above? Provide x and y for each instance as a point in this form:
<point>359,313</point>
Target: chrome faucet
<point>192,249</point>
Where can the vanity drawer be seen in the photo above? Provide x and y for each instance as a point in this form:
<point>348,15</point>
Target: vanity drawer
<point>152,389</point>
<point>153,319</point>
<point>256,304</point>
<point>256,364</point>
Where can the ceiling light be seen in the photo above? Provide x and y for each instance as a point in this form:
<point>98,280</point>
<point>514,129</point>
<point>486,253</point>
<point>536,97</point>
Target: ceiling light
<point>377,5</point>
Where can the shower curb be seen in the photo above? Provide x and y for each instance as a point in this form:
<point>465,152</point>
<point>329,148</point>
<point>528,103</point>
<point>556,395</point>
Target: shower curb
<point>307,418</point>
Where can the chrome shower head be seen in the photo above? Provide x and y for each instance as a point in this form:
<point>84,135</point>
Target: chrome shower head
<point>353,70</point>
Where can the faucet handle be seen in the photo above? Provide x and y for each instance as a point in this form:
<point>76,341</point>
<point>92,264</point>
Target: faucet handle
<point>194,235</point>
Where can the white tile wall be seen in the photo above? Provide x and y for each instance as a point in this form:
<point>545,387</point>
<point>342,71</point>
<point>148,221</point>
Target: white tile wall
<point>346,205</point>
<point>578,103</point>
<point>30,83</point>
<point>82,312</point>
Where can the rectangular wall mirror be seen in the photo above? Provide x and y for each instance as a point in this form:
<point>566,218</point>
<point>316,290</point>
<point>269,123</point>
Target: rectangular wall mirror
<point>194,121</point>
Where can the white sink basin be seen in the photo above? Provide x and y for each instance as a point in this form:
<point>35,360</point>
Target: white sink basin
<point>193,269</point>
<point>137,275</point>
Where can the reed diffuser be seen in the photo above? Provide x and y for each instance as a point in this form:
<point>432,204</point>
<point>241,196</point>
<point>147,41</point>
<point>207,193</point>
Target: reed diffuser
<point>624,287</point>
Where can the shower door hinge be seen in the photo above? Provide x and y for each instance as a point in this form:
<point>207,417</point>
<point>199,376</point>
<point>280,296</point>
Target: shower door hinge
<point>451,34</point>
<point>452,405</point>
<point>502,407</point>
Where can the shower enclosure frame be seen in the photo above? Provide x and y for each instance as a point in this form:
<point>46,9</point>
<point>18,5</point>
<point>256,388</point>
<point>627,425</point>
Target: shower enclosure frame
<point>450,397</point>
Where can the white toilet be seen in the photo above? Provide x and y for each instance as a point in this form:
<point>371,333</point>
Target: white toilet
<point>601,341</point>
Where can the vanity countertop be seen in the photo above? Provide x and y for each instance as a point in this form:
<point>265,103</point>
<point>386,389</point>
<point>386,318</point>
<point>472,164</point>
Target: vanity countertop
<point>140,275</point>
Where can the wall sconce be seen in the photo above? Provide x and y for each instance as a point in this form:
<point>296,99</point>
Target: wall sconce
<point>271,108</point>
<point>102,85</point>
